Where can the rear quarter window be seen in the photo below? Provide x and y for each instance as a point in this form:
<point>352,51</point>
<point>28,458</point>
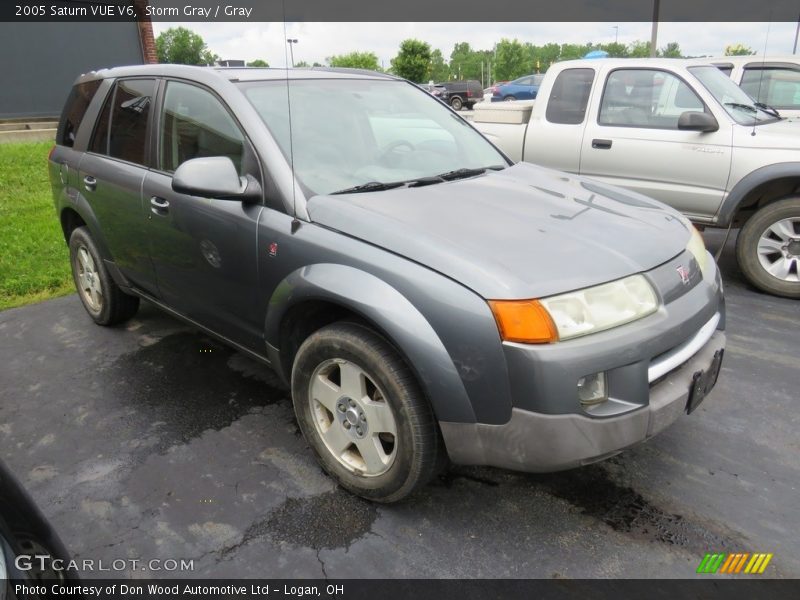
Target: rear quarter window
<point>74,110</point>
<point>569,96</point>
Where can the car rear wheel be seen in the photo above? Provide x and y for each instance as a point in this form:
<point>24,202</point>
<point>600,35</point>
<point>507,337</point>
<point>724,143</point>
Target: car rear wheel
<point>768,248</point>
<point>102,298</point>
<point>456,103</point>
<point>509,98</point>
<point>361,409</point>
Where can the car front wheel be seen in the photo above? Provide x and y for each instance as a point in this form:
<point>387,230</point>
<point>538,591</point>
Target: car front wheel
<point>361,410</point>
<point>509,98</point>
<point>102,298</point>
<point>768,248</point>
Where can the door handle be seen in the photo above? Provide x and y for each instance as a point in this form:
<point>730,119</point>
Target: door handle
<point>601,144</point>
<point>90,183</point>
<point>159,205</point>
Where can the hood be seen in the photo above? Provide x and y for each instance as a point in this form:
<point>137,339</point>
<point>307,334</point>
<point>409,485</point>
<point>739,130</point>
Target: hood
<point>780,135</point>
<point>524,232</point>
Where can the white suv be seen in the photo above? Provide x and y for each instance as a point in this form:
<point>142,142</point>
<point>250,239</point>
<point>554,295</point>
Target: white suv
<point>772,80</point>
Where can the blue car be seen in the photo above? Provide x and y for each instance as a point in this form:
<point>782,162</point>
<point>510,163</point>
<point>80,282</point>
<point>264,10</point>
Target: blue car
<point>524,88</point>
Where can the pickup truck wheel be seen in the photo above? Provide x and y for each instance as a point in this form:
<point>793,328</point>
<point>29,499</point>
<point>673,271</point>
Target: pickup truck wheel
<point>768,248</point>
<point>102,298</point>
<point>456,103</point>
<point>360,408</point>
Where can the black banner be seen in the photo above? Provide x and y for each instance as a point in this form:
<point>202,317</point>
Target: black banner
<point>371,589</point>
<point>405,10</point>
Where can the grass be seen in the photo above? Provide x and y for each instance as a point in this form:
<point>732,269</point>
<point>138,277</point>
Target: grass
<point>34,260</point>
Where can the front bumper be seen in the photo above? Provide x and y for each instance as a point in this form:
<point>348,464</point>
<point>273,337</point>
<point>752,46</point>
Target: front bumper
<point>538,442</point>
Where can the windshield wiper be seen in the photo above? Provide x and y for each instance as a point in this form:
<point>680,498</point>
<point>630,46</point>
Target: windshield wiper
<point>747,107</point>
<point>453,175</point>
<point>768,109</point>
<point>370,186</point>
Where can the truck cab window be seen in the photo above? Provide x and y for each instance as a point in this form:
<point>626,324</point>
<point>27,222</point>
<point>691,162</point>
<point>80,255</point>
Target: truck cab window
<point>569,96</point>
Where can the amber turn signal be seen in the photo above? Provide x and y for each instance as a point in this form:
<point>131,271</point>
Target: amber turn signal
<point>524,321</point>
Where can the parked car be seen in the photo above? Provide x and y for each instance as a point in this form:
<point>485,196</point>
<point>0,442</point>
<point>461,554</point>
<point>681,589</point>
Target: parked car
<point>423,297</point>
<point>524,88</point>
<point>462,93</point>
<point>678,131</point>
<point>774,80</point>
<point>31,552</point>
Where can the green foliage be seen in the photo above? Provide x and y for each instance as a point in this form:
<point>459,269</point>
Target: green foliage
<point>639,49</point>
<point>412,61</point>
<point>738,50</point>
<point>514,59</point>
<point>34,259</point>
<point>183,46</point>
<point>439,69</point>
<point>465,63</point>
<point>356,60</point>
<point>671,50</point>
<point>258,63</point>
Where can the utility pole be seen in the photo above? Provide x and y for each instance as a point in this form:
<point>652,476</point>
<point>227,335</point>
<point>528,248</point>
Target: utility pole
<point>291,42</point>
<point>616,33</point>
<point>796,34</point>
<point>654,33</point>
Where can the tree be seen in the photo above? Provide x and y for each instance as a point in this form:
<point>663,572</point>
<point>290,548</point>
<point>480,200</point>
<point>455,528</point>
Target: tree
<point>738,50</point>
<point>465,63</point>
<point>412,61</point>
<point>258,63</point>
<point>356,60</point>
<point>439,69</point>
<point>513,60</point>
<point>639,49</point>
<point>183,46</point>
<point>671,50</point>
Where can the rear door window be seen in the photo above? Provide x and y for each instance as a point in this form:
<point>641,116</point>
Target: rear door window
<point>121,130</point>
<point>74,110</point>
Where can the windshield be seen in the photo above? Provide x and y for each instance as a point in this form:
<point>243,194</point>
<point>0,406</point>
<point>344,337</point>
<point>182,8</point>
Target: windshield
<point>733,99</point>
<point>353,132</point>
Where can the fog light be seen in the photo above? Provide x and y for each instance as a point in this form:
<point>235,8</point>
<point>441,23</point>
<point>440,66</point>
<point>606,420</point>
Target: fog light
<point>592,389</point>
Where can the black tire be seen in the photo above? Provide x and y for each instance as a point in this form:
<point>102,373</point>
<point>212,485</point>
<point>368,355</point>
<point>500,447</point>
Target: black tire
<point>456,102</point>
<point>114,306</point>
<point>747,248</point>
<point>509,98</point>
<point>418,446</point>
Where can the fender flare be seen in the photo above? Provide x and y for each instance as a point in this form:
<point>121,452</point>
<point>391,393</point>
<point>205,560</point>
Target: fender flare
<point>390,311</point>
<point>748,183</point>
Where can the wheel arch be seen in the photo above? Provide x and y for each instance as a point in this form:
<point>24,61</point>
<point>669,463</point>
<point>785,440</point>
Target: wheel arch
<point>757,189</point>
<point>320,294</point>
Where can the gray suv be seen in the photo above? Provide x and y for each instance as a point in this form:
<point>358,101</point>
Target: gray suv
<point>425,298</point>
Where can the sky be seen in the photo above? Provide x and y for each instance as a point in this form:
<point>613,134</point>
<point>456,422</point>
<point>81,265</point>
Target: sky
<point>317,41</point>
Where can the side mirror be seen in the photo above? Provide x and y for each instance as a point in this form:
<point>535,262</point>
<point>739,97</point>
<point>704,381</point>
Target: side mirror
<point>695,120</point>
<point>214,177</point>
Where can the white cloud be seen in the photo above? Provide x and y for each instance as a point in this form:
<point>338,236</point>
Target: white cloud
<point>317,41</point>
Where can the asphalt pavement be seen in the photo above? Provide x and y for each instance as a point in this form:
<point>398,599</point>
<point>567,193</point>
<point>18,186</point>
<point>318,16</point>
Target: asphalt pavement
<point>152,441</point>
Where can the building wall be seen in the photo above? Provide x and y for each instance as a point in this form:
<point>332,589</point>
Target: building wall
<point>42,60</point>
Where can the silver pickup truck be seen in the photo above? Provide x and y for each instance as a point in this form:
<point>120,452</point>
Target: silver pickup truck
<point>679,131</point>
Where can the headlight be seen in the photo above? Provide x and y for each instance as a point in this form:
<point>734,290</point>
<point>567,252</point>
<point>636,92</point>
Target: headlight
<point>697,247</point>
<point>601,307</point>
<point>576,313</point>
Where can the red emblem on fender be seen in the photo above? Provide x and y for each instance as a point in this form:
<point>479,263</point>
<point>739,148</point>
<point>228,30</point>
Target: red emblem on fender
<point>273,249</point>
<point>683,272</point>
